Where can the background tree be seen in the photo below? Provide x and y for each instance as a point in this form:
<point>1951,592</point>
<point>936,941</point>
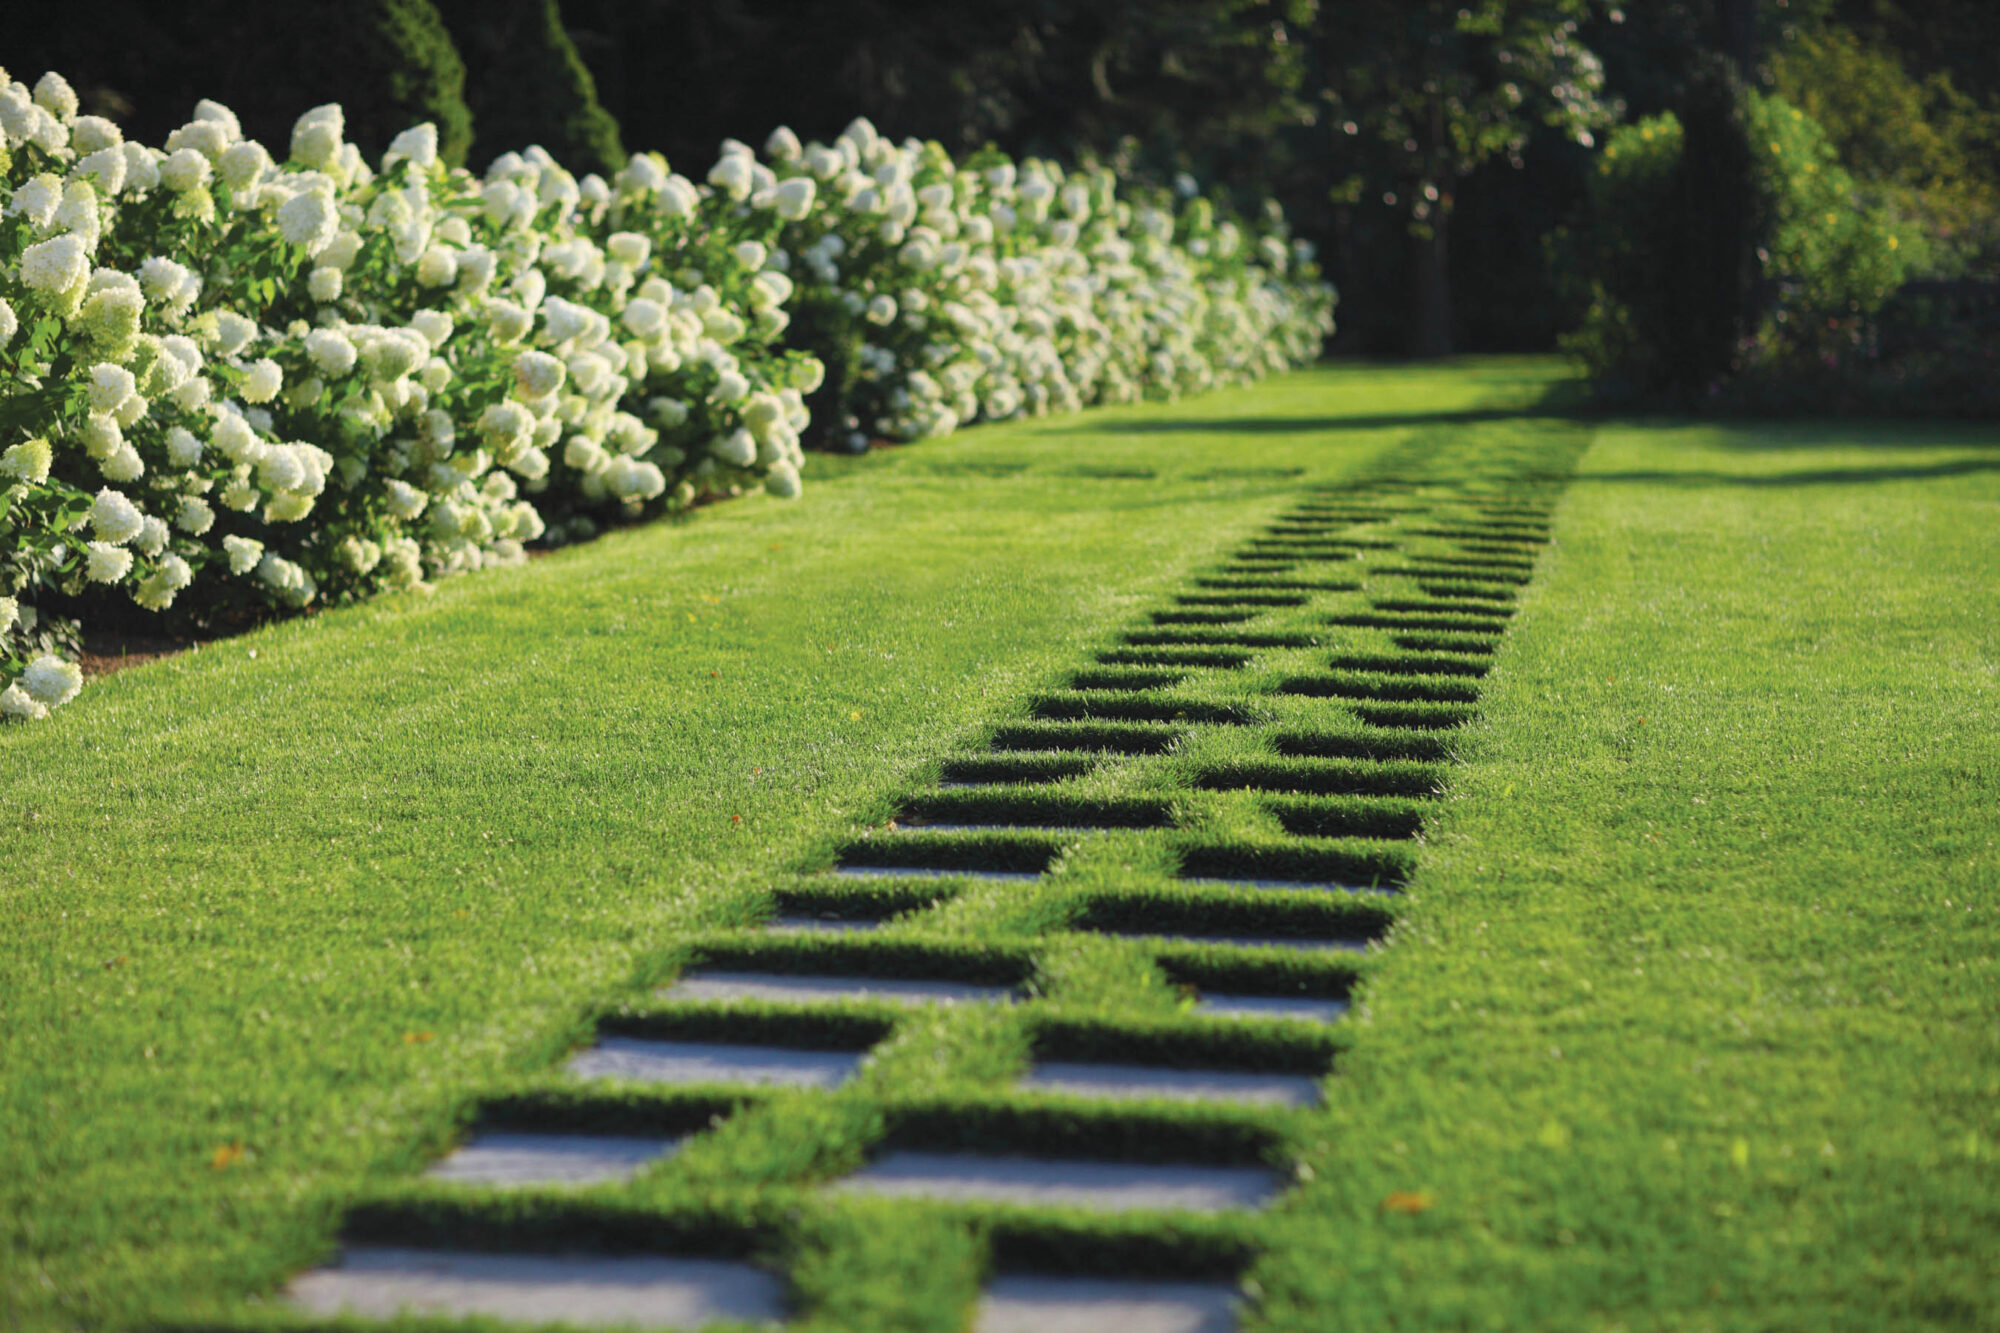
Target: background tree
<point>389,63</point>
<point>529,85</point>
<point>1417,97</point>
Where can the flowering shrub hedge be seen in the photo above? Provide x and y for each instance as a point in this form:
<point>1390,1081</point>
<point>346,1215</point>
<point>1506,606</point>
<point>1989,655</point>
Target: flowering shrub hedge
<point>229,382</point>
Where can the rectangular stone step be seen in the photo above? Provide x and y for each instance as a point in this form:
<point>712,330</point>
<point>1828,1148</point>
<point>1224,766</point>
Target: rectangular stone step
<point>1321,886</point>
<point>1247,941</point>
<point>511,1159</point>
<point>1304,1007</point>
<point>802,988</point>
<point>805,925</point>
<point>625,1290</point>
<point>645,1060</point>
<point>1065,1182</point>
<point>931,872</point>
<point>1127,1082</point>
<point>1020,1303</point>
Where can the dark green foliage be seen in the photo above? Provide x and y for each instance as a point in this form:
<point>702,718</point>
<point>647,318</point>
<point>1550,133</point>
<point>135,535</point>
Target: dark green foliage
<point>527,84</point>
<point>389,63</point>
<point>1822,265</point>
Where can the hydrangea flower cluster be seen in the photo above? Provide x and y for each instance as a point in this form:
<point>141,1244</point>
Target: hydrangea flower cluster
<point>263,383</point>
<point>943,293</point>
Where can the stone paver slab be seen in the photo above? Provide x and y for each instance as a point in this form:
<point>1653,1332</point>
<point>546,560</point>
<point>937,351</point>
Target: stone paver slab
<point>835,925</point>
<point>514,1159</point>
<point>1024,1304</point>
<point>1312,885</point>
<point>1187,1085</point>
<point>803,988</point>
<point>931,872</point>
<point>1248,941</point>
<point>646,1292</point>
<point>1306,1007</point>
<point>1072,1182</point>
<point>645,1060</point>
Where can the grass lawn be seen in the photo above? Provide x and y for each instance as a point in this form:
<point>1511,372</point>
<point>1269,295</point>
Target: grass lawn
<point>1688,1022</point>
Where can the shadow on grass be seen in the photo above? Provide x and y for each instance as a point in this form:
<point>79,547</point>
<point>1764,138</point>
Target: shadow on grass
<point>1269,425</point>
<point>1844,476</point>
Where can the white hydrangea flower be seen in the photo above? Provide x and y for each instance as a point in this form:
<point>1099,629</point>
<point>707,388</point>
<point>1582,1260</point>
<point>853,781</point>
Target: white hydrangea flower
<point>110,385</point>
<point>94,134</point>
<point>185,169</point>
<point>54,95</point>
<point>342,250</point>
<point>112,309</point>
<point>10,611</point>
<point>123,465</point>
<point>105,563</point>
<point>232,332</point>
<point>114,518</point>
<point>157,590</point>
<point>316,137</point>
<point>394,353</point>
<point>738,448</point>
<point>508,322</point>
<point>433,326</point>
<point>417,145</point>
<point>244,165</point>
<point>184,448</point>
<point>55,266</point>
<point>240,495</point>
<point>531,465</point>
<point>234,438</point>
<point>585,455</point>
<point>733,176</point>
<point>16,702</point>
<point>28,461</point>
<point>263,381</point>
<point>324,283</point>
<point>769,290</point>
<point>629,248</point>
<point>563,320</point>
<point>104,169</point>
<point>357,555</point>
<point>630,479</point>
<point>152,538</point>
<point>537,375</point>
<point>142,168</point>
<point>167,281</point>
<point>50,681</point>
<point>196,517</point>
<point>405,501</point>
<point>437,267</point>
<point>309,220</point>
<point>243,552</point>
<point>287,507</point>
<point>37,199</point>
<point>331,351</point>
<point>783,481</point>
<point>285,578</point>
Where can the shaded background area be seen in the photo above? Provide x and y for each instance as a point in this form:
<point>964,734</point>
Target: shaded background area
<point>1438,153</point>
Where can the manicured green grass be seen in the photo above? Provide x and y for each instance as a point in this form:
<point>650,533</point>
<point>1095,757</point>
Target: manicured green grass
<point>308,891</point>
<point>1689,1021</point>
<point>1695,1019</point>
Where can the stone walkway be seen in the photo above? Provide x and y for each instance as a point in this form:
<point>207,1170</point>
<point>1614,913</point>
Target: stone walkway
<point>1313,677</point>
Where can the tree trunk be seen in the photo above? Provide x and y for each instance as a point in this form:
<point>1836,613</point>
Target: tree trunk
<point>1431,322</point>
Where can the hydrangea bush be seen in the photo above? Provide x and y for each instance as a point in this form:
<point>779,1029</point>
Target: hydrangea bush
<point>232,383</point>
